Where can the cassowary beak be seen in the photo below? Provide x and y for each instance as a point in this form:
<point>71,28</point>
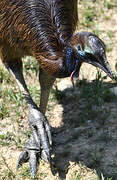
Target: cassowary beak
<point>100,62</point>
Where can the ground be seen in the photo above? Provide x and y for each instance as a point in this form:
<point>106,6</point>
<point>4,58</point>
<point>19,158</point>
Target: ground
<point>83,117</point>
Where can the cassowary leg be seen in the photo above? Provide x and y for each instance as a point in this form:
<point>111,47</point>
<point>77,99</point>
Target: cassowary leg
<point>46,82</point>
<point>39,143</point>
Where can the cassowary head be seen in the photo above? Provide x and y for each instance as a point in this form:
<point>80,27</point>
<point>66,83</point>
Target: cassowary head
<point>87,47</point>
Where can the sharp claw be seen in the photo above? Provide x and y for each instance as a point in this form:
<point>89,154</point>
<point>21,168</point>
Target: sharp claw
<point>33,161</point>
<point>23,157</point>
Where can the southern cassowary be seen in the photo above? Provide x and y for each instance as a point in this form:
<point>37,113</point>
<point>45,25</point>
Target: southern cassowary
<point>44,29</point>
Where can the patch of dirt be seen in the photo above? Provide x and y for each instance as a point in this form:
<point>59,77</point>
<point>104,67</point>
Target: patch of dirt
<point>91,142</point>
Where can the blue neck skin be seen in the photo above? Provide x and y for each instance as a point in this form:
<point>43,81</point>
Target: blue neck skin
<point>71,63</point>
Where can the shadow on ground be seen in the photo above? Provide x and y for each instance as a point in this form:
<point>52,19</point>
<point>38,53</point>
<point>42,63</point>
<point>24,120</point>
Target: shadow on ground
<point>89,131</point>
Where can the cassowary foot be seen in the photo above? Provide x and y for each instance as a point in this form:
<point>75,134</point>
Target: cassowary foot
<point>41,132</point>
<point>32,154</point>
<point>39,143</point>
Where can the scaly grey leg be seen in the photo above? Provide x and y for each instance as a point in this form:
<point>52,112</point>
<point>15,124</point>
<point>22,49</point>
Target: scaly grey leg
<point>39,143</point>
